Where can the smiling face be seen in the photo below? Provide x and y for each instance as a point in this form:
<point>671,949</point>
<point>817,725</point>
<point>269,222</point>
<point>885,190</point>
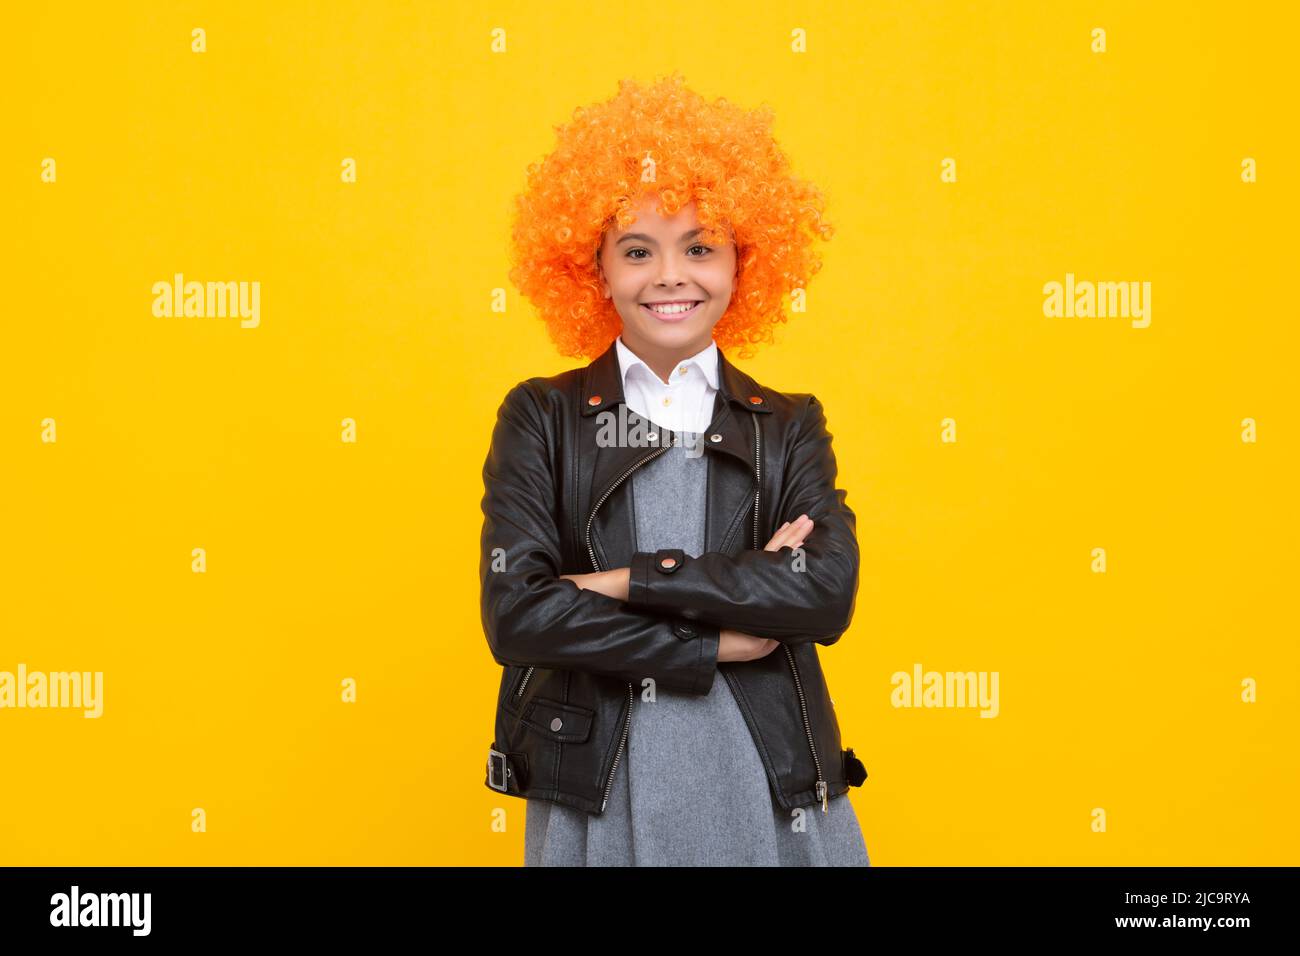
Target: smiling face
<point>669,286</point>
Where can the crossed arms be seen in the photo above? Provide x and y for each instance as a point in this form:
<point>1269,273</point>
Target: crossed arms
<point>533,615</point>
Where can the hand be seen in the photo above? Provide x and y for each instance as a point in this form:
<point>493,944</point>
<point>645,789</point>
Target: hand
<point>609,583</point>
<point>792,533</point>
<point>738,646</point>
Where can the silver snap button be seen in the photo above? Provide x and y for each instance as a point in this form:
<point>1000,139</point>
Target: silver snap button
<point>556,724</point>
<point>715,438</point>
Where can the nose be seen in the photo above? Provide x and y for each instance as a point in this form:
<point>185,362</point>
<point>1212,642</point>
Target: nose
<point>669,272</point>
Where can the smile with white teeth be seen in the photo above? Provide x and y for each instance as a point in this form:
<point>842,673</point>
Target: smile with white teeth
<point>674,308</point>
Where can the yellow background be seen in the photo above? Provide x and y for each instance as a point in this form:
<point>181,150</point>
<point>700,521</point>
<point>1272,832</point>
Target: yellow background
<point>329,560</point>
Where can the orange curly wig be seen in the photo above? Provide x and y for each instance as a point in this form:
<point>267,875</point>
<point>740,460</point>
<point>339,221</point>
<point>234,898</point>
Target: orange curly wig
<point>664,140</point>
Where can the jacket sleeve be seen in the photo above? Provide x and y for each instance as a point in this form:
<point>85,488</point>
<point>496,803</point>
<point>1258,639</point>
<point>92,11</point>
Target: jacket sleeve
<point>533,617</point>
<point>769,593</point>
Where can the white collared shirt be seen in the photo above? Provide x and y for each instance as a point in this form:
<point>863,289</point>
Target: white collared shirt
<point>684,402</point>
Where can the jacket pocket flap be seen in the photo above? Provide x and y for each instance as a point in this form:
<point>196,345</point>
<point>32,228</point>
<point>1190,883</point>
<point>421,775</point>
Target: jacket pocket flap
<point>566,723</point>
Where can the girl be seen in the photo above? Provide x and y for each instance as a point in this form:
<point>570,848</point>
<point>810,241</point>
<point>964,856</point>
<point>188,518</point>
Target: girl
<point>661,231</point>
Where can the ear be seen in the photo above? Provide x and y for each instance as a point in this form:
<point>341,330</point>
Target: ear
<point>600,271</point>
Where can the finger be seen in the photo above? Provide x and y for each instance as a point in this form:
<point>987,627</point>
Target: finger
<point>778,540</point>
<point>802,531</point>
<point>772,542</point>
<point>783,535</point>
<point>799,525</point>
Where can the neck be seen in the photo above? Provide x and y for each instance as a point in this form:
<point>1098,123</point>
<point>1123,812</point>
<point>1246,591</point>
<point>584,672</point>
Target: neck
<point>662,360</point>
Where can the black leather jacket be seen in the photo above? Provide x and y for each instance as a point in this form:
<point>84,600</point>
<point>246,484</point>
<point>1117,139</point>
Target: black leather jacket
<point>555,503</point>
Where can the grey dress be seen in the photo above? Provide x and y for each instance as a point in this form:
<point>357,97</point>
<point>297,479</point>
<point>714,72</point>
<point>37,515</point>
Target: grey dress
<point>690,789</point>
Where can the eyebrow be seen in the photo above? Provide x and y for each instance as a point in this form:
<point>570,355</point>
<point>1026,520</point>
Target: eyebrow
<point>644,238</point>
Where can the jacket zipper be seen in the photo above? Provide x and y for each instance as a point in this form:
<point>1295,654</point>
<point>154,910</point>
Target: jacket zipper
<point>627,721</point>
<point>821,788</point>
<point>529,673</point>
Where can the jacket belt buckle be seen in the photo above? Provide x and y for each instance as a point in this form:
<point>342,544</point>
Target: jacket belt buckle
<point>502,775</point>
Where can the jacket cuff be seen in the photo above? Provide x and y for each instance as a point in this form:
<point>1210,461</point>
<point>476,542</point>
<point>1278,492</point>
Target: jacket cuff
<point>642,569</point>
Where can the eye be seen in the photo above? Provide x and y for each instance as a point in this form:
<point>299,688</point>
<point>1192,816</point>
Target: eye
<point>707,249</point>
<point>636,249</point>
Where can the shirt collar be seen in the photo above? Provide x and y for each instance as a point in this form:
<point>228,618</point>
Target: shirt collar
<point>706,359</point>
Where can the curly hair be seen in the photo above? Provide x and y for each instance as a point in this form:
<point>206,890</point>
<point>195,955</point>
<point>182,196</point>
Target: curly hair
<point>668,141</point>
